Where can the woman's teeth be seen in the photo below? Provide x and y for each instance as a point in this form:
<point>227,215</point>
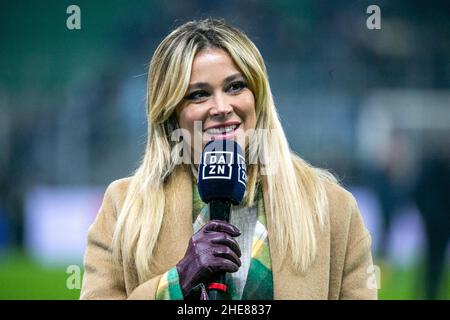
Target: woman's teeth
<point>222,130</point>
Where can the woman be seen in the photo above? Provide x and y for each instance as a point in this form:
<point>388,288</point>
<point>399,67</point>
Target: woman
<point>296,235</point>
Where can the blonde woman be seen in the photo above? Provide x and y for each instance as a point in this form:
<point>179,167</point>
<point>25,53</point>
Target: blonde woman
<point>296,235</point>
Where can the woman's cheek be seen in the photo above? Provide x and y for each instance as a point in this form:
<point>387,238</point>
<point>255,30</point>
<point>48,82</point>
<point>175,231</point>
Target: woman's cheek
<point>248,108</point>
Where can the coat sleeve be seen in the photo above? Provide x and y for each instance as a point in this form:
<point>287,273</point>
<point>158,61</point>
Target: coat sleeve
<point>358,278</point>
<point>103,279</point>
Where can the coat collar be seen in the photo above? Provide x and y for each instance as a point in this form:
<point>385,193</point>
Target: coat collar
<point>176,231</point>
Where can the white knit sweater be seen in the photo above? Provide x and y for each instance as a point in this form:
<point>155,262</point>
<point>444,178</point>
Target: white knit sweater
<point>244,219</point>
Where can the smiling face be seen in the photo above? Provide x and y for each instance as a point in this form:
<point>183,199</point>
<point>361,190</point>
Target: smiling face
<point>218,97</point>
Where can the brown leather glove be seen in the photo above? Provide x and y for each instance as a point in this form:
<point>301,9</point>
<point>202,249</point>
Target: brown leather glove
<point>211,250</point>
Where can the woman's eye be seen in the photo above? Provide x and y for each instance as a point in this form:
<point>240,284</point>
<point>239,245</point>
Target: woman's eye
<point>237,86</point>
<point>196,95</point>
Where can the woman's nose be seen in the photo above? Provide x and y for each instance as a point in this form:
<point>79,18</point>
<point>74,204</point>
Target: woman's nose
<point>220,106</point>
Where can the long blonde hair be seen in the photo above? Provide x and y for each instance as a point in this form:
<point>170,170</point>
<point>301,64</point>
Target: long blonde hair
<point>296,193</point>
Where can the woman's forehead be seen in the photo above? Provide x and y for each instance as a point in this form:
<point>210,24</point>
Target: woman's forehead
<point>213,62</point>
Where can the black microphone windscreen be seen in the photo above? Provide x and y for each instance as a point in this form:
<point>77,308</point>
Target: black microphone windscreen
<point>222,172</point>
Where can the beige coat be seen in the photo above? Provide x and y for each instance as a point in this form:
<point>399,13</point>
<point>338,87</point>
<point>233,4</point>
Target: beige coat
<point>341,270</point>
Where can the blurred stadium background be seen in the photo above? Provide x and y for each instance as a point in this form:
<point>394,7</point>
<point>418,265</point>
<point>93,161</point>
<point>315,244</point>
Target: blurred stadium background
<point>371,105</point>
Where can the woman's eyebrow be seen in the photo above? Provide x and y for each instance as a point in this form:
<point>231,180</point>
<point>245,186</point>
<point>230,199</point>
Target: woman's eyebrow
<point>198,85</point>
<point>204,85</point>
<point>232,77</point>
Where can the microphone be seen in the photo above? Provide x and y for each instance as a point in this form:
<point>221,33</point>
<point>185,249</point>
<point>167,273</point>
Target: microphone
<point>222,179</point>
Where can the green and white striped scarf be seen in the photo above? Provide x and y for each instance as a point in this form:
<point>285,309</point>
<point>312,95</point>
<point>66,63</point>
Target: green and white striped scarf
<point>259,283</point>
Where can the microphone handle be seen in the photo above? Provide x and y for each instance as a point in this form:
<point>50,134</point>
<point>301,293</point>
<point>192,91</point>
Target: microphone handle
<point>219,209</point>
<point>214,294</point>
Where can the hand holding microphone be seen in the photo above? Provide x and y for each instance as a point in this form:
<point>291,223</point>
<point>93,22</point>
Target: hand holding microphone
<point>212,249</point>
<point>222,180</point>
